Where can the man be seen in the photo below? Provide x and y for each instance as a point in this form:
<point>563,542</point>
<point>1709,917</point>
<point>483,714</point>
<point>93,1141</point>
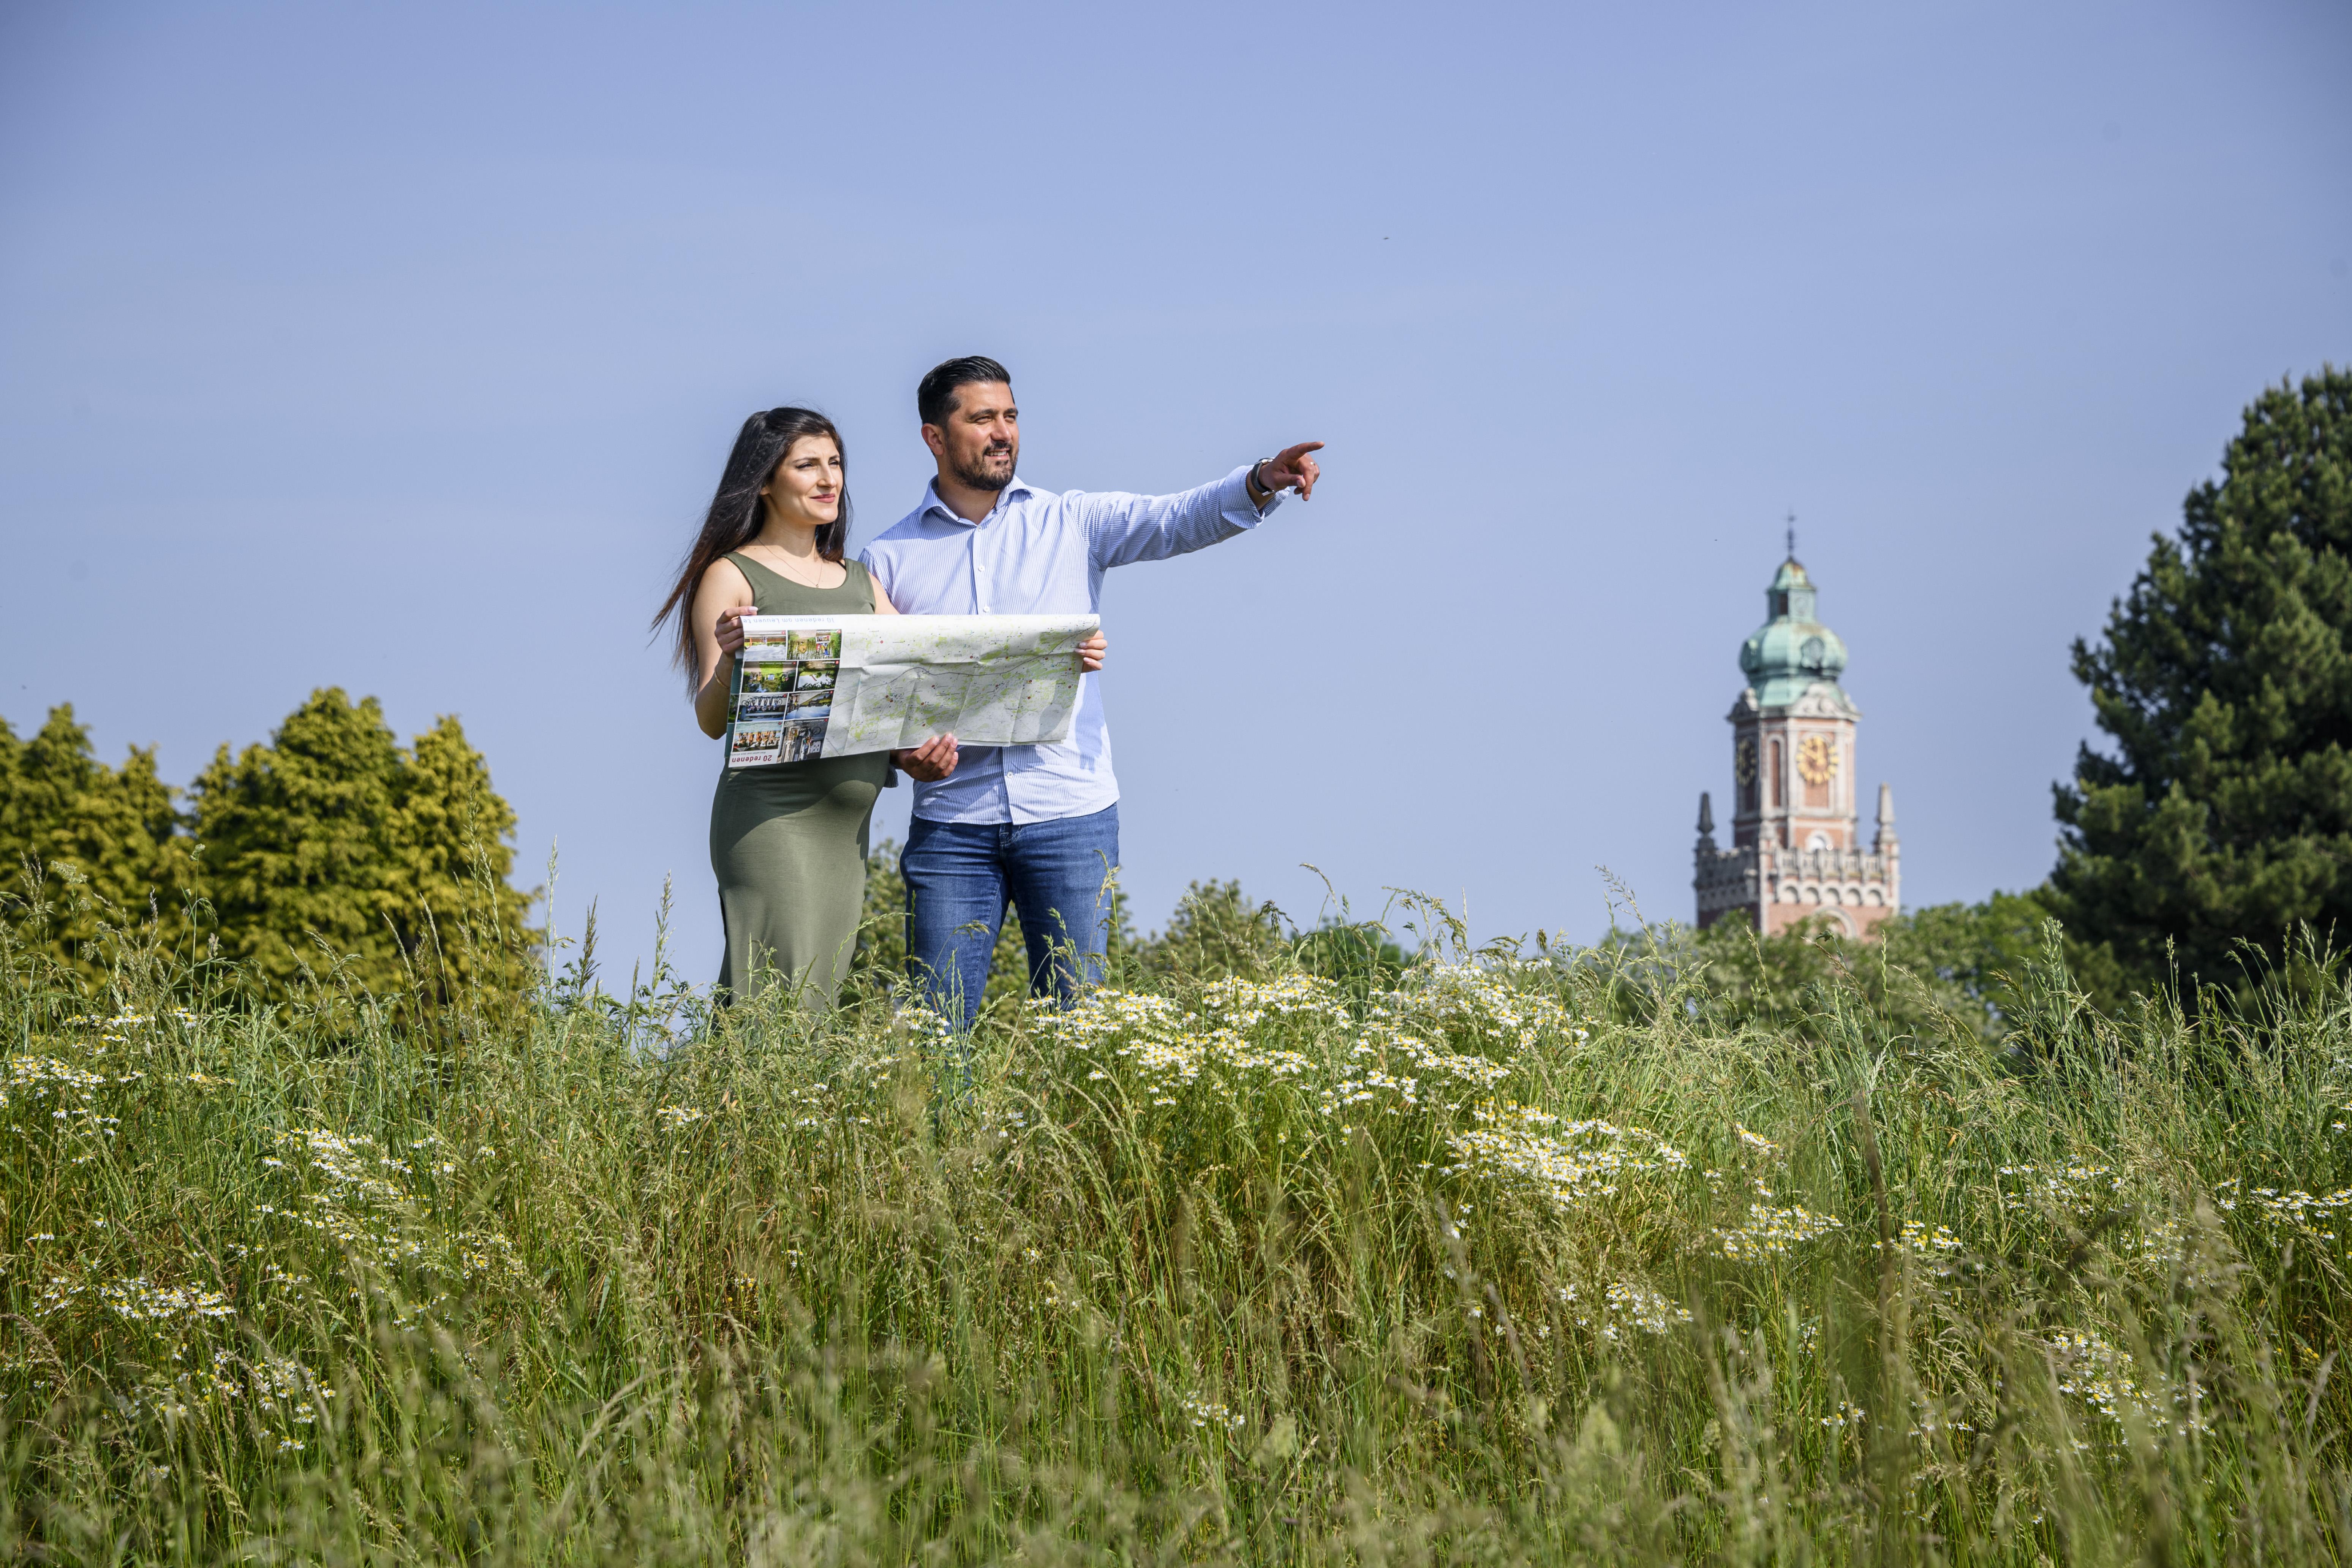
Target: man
<point>1038,825</point>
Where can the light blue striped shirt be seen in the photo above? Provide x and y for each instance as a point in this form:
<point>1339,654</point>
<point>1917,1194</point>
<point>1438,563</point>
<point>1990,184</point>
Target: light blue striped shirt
<point>1039,554</point>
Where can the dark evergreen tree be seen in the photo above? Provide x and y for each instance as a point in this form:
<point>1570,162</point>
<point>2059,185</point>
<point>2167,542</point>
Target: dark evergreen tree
<point>2224,684</point>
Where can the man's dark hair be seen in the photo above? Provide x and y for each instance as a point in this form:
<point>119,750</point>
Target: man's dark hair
<point>935,399</point>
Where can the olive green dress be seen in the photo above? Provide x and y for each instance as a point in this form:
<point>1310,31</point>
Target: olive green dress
<point>788,839</point>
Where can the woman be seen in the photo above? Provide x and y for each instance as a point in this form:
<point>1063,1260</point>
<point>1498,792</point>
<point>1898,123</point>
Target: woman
<point>787,840</point>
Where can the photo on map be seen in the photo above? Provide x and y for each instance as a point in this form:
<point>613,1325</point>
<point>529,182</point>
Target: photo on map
<point>802,741</point>
<point>757,738</point>
<point>816,676</point>
<point>768,676</point>
<point>816,706</point>
<point>775,706</point>
<point>816,645</point>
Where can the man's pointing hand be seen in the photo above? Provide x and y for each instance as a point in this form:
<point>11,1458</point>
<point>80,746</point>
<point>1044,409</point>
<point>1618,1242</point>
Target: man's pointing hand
<point>1291,469</point>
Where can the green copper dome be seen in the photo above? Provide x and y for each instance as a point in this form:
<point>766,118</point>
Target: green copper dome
<point>1791,650</point>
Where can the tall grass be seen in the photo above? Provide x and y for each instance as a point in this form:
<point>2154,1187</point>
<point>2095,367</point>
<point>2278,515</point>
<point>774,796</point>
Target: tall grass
<point>1516,1257</point>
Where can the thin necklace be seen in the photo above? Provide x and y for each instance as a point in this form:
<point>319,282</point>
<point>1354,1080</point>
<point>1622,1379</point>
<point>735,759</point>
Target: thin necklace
<point>785,571</point>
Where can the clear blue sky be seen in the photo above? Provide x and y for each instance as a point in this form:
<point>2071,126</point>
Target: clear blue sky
<point>398,347</point>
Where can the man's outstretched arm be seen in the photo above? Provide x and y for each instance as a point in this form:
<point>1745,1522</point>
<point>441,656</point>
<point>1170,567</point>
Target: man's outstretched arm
<point>1124,529</point>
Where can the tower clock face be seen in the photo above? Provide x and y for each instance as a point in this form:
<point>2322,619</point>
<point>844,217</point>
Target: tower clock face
<point>1816,759</point>
<point>1743,762</point>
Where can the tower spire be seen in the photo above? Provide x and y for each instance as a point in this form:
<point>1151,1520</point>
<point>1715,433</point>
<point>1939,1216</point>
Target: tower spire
<point>1795,855</point>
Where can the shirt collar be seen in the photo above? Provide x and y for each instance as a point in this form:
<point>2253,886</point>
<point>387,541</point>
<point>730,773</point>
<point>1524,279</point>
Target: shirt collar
<point>1017,490</point>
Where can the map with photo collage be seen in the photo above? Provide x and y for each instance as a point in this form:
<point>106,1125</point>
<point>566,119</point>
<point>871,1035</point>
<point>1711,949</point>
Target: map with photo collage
<point>824,686</point>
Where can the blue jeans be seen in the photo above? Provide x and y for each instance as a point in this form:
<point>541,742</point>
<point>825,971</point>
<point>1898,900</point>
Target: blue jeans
<point>958,877</point>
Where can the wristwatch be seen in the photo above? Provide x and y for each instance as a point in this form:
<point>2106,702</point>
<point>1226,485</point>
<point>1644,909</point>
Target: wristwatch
<point>1257,483</point>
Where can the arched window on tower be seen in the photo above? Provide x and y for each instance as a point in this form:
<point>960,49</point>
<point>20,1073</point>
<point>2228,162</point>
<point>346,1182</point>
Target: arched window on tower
<point>1772,771</point>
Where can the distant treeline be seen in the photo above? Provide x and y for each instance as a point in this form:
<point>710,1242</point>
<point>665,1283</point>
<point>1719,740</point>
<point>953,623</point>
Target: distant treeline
<point>2214,829</point>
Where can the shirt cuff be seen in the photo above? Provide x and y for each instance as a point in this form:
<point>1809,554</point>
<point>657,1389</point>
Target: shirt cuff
<point>1235,499</point>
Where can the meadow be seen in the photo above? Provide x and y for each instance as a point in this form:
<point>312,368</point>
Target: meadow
<point>1280,1251</point>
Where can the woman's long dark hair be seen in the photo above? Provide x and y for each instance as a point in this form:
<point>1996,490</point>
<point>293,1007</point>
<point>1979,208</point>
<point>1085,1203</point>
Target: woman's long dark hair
<point>736,514</point>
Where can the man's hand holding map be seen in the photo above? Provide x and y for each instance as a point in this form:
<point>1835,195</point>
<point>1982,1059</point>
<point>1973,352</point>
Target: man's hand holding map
<point>812,686</point>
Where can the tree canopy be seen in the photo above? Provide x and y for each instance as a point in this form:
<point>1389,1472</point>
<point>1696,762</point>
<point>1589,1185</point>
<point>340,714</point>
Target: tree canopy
<point>331,850</point>
<point>2223,812</point>
<point>333,845</point>
<point>83,845</point>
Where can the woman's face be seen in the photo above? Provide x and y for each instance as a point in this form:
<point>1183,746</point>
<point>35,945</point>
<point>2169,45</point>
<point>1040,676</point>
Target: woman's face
<point>805,488</point>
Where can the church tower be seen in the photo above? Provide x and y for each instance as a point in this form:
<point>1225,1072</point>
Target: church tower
<point>1796,845</point>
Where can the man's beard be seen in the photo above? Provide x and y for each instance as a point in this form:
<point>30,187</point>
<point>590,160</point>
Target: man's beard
<point>978,477</point>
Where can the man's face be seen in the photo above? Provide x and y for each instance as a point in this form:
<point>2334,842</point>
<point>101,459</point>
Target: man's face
<point>980,441</point>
